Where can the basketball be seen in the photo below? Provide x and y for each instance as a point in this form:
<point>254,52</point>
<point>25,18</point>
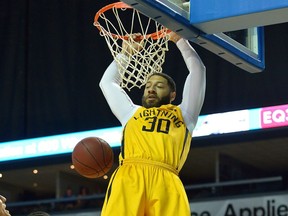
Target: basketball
<point>92,157</point>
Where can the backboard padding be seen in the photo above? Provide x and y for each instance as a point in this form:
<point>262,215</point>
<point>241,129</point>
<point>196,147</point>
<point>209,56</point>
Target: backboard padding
<point>177,19</point>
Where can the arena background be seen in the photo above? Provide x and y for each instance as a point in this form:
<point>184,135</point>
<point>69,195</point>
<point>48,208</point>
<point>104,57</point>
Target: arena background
<point>52,59</point>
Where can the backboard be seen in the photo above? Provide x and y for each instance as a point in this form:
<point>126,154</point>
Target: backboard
<point>230,29</point>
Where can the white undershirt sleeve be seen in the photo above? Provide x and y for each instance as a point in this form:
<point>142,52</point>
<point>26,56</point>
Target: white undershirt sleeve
<point>120,103</point>
<point>195,85</point>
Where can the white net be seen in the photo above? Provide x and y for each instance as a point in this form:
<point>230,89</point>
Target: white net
<point>117,25</point>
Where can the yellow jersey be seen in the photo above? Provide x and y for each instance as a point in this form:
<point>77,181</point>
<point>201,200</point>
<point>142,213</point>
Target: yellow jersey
<point>157,134</point>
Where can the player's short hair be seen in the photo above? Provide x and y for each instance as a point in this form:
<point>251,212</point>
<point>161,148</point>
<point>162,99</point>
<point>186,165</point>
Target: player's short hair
<point>39,213</point>
<point>171,82</point>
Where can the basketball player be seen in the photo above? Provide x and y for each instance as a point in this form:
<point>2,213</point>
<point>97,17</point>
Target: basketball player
<point>39,213</point>
<point>156,139</point>
<point>3,210</point>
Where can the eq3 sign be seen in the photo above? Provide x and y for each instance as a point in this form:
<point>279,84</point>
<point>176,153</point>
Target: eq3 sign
<point>274,116</point>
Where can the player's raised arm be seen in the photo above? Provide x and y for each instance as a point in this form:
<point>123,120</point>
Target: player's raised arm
<point>118,100</point>
<point>195,84</point>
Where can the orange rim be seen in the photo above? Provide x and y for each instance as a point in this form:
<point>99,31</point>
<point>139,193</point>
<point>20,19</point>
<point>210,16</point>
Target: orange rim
<point>122,5</point>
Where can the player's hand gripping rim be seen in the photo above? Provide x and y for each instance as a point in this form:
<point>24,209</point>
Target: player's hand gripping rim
<point>134,44</point>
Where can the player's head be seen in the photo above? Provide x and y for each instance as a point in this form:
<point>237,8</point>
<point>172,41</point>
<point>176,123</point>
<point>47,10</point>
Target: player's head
<point>160,89</point>
<point>39,213</point>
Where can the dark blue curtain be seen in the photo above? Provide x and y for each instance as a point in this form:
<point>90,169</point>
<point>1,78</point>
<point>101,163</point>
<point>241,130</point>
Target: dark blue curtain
<point>52,59</point>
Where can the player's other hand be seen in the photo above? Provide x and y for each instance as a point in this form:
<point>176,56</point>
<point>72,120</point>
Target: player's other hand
<point>133,44</point>
<point>174,37</point>
<point>3,211</point>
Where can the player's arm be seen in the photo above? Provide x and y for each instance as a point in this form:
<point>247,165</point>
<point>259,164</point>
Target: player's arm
<point>195,84</point>
<point>3,210</point>
<point>120,103</point>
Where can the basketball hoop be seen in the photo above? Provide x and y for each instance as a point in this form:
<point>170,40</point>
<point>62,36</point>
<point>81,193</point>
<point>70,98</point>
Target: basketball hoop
<point>116,23</point>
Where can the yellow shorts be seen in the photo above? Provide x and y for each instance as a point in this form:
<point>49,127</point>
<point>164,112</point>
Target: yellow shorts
<point>145,188</point>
